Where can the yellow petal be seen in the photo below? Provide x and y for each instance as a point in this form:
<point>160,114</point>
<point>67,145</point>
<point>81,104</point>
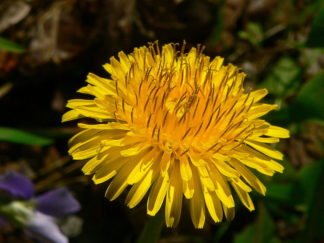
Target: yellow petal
<point>108,169</point>
<point>106,85</point>
<point>73,103</point>
<point>196,160</point>
<point>249,177</point>
<point>216,63</point>
<point>259,161</point>
<point>224,168</point>
<point>141,167</point>
<point>119,183</point>
<point>267,150</point>
<point>188,188</point>
<point>258,94</point>
<point>157,195</point>
<point>241,184</point>
<point>185,168</point>
<point>222,188</point>
<point>77,144</point>
<point>165,162</point>
<point>134,149</point>
<point>205,178</point>
<point>82,137</point>
<point>275,166</point>
<point>71,115</point>
<point>214,206</point>
<point>117,69</point>
<point>108,68</point>
<point>173,201</point>
<point>124,61</point>
<point>253,163</point>
<point>278,132</point>
<point>108,126</point>
<point>139,190</point>
<point>85,152</point>
<point>260,110</point>
<point>98,92</point>
<point>94,112</point>
<point>244,197</point>
<point>89,167</point>
<point>264,139</point>
<point>229,212</point>
<point>197,205</point>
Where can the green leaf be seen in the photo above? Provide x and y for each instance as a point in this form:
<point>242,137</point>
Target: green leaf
<point>309,103</point>
<point>10,46</point>
<point>281,192</point>
<point>261,231</point>
<point>18,136</point>
<point>316,35</point>
<point>311,189</point>
<point>289,174</point>
<point>264,226</point>
<point>282,79</point>
<point>152,229</point>
<point>308,178</point>
<point>221,230</point>
<point>247,235</point>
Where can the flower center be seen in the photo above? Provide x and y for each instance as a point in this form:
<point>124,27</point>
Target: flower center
<point>177,102</point>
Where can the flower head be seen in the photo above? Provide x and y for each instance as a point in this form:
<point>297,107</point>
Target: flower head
<point>175,125</point>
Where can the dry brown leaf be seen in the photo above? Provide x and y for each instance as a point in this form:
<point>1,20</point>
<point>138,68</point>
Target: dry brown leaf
<point>12,12</point>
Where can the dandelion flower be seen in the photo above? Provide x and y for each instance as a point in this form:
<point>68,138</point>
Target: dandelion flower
<point>176,127</point>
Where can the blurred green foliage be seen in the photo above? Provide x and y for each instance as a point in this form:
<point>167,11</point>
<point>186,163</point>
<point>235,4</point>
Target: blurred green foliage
<point>309,102</point>
<point>253,34</point>
<point>282,79</point>
<point>261,231</point>
<point>315,38</point>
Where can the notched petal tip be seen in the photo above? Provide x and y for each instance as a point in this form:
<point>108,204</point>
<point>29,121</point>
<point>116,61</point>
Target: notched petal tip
<point>279,132</point>
<point>71,115</point>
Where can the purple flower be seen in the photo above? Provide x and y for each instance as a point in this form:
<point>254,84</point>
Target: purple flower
<point>40,222</point>
<point>44,228</point>
<point>57,203</point>
<point>16,185</point>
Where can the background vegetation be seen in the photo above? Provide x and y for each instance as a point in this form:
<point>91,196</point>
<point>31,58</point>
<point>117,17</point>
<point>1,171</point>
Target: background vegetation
<point>48,47</point>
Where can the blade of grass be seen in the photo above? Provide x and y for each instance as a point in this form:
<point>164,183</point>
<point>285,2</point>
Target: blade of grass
<point>13,135</point>
<point>10,46</point>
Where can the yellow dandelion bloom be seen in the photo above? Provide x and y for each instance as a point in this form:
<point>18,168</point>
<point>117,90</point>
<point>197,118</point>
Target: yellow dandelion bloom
<point>173,126</point>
